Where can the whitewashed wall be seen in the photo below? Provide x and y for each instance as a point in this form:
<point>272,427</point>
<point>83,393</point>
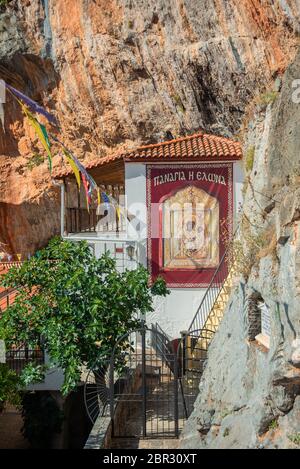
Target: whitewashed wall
<point>175,312</point>
<point>238,180</point>
<point>135,190</point>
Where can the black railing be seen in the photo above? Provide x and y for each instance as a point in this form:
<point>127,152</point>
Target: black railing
<point>20,356</point>
<point>192,356</point>
<point>160,341</point>
<point>215,287</point>
<point>194,344</point>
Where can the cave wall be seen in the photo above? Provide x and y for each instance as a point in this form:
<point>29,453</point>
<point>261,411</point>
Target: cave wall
<point>126,72</point>
<point>250,396</point>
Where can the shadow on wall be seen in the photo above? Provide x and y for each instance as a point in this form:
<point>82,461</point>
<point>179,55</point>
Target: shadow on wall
<point>27,227</point>
<point>77,423</point>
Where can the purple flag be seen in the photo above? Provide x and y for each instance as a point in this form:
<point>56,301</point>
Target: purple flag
<point>35,107</point>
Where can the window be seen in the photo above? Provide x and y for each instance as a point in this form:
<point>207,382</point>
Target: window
<point>259,320</point>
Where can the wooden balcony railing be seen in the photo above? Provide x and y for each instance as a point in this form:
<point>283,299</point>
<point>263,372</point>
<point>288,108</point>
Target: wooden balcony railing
<point>80,220</point>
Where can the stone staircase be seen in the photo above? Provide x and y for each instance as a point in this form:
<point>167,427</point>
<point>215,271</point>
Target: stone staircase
<point>196,340</point>
<point>217,312</point>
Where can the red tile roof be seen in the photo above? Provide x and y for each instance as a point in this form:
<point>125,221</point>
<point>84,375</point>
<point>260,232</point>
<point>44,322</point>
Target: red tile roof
<point>197,147</point>
<point>4,268</point>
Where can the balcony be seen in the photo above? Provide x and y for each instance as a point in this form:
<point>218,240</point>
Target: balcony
<point>106,228</point>
<point>127,252</point>
<point>80,220</point>
<point>20,356</point>
<point>76,218</point>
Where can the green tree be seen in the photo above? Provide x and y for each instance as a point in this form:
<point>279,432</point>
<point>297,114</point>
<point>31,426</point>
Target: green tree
<point>9,387</point>
<point>77,304</point>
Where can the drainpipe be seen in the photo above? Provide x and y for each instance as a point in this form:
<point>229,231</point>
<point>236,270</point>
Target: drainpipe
<point>61,184</point>
<point>62,209</point>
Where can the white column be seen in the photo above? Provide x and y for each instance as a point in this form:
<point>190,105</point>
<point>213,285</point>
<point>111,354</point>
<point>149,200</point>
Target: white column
<point>62,209</point>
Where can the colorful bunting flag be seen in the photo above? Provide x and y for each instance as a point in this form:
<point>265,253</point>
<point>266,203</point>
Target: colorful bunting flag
<point>35,107</point>
<point>2,116</point>
<point>87,191</point>
<point>89,183</point>
<point>40,131</point>
<point>2,101</point>
<point>73,166</point>
<point>105,197</point>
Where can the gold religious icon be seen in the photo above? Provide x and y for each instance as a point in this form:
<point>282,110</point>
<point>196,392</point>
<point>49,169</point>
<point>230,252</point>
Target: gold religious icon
<point>190,241</point>
<point>190,230</point>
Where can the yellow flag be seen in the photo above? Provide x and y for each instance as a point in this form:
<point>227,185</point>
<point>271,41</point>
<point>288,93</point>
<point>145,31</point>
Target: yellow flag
<point>73,166</point>
<point>19,256</point>
<point>118,211</point>
<point>42,134</point>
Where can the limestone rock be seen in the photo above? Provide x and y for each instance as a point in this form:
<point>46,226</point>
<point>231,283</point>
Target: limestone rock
<point>265,384</point>
<point>118,74</point>
<point>295,359</point>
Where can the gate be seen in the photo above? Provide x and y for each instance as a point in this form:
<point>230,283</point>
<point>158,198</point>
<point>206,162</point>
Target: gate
<point>148,386</point>
<point>143,386</point>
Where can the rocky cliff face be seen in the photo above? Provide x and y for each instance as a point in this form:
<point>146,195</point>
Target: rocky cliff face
<point>250,396</point>
<point>127,72</point>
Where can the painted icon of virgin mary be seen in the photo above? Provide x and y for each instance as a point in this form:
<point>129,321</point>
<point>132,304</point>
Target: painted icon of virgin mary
<point>190,230</point>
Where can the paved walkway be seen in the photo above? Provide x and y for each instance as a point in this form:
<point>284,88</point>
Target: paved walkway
<point>10,430</point>
<point>148,443</point>
<point>160,423</point>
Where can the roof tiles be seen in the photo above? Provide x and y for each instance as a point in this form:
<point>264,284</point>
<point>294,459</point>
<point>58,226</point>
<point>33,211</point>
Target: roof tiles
<point>198,147</point>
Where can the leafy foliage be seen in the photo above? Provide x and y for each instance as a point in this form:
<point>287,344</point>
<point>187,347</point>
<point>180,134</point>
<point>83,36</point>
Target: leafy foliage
<point>295,438</point>
<point>77,304</point>
<point>273,424</point>
<point>249,160</point>
<point>35,160</point>
<point>268,98</point>
<point>33,373</point>
<point>9,387</point>
<point>42,418</point>
<point>3,3</point>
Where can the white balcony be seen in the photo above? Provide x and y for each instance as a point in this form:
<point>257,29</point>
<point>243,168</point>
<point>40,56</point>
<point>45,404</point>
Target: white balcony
<point>127,252</point>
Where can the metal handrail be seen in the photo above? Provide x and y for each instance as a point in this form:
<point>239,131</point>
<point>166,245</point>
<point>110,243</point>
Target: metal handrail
<point>19,355</point>
<point>213,290</point>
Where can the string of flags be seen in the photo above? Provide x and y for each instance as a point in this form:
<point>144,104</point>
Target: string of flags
<point>29,106</point>
<point>11,257</point>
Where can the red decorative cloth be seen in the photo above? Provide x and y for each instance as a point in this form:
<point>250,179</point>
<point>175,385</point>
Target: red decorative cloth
<point>190,214</point>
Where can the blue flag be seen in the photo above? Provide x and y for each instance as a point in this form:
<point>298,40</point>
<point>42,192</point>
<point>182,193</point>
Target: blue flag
<point>35,107</point>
